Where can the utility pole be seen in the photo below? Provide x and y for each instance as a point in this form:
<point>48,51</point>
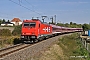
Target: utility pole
<point>55,19</point>
<point>52,19</point>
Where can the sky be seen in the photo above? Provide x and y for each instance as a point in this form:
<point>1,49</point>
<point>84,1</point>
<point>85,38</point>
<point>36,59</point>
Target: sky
<point>77,11</point>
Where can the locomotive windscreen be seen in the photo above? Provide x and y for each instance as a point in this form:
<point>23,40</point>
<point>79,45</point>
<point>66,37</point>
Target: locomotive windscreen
<point>30,24</point>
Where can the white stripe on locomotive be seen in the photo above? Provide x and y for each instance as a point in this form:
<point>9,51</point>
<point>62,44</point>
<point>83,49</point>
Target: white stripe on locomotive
<point>47,29</point>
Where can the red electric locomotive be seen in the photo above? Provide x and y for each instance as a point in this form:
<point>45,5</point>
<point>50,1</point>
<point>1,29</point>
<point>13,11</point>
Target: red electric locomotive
<point>34,29</point>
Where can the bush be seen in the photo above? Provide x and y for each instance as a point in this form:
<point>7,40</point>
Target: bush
<point>5,32</point>
<point>17,30</point>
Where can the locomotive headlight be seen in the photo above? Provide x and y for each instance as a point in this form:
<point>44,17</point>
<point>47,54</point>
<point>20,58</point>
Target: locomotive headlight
<point>22,33</point>
<point>22,36</point>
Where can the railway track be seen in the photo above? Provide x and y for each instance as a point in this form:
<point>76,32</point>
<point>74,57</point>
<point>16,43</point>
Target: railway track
<point>12,49</point>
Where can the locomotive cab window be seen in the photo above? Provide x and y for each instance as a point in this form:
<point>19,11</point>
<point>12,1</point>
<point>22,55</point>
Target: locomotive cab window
<point>26,24</point>
<point>30,24</point>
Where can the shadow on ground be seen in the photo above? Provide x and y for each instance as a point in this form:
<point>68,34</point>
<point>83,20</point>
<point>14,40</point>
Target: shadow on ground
<point>16,41</point>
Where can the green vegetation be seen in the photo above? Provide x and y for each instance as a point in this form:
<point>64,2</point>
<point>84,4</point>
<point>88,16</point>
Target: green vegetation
<point>17,30</point>
<point>86,26</point>
<point>5,32</point>
<point>73,48</point>
<point>72,25</point>
<point>67,48</point>
<point>8,38</point>
<point>5,42</point>
<point>2,21</point>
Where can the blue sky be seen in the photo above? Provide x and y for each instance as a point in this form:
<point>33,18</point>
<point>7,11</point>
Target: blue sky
<point>66,11</point>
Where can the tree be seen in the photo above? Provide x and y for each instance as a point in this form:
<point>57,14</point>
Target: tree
<point>8,21</point>
<point>66,25</point>
<point>74,24</point>
<point>3,21</point>
<point>71,23</point>
<point>61,24</point>
<point>86,26</point>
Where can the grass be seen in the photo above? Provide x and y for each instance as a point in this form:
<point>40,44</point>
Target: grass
<point>67,48</point>
<point>72,46</point>
<point>7,41</point>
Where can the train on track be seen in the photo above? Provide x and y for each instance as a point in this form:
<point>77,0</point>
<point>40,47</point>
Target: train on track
<point>34,30</point>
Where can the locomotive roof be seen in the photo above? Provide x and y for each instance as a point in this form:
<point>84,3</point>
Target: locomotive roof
<point>31,20</point>
<point>36,20</point>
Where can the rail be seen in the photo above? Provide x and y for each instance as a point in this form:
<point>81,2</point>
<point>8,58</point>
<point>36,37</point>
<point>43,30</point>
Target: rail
<point>12,49</point>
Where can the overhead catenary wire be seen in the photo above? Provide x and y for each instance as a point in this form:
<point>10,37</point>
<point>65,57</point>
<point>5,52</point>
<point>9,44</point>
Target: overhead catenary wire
<point>25,7</point>
<point>29,3</point>
<point>31,6</point>
<point>21,2</point>
<point>9,16</point>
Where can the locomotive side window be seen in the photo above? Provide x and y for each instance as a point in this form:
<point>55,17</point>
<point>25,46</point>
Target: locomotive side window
<point>39,25</point>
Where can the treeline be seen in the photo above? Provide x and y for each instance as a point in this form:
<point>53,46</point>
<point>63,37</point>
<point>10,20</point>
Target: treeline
<point>86,26</point>
<point>71,25</point>
<point>3,20</point>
